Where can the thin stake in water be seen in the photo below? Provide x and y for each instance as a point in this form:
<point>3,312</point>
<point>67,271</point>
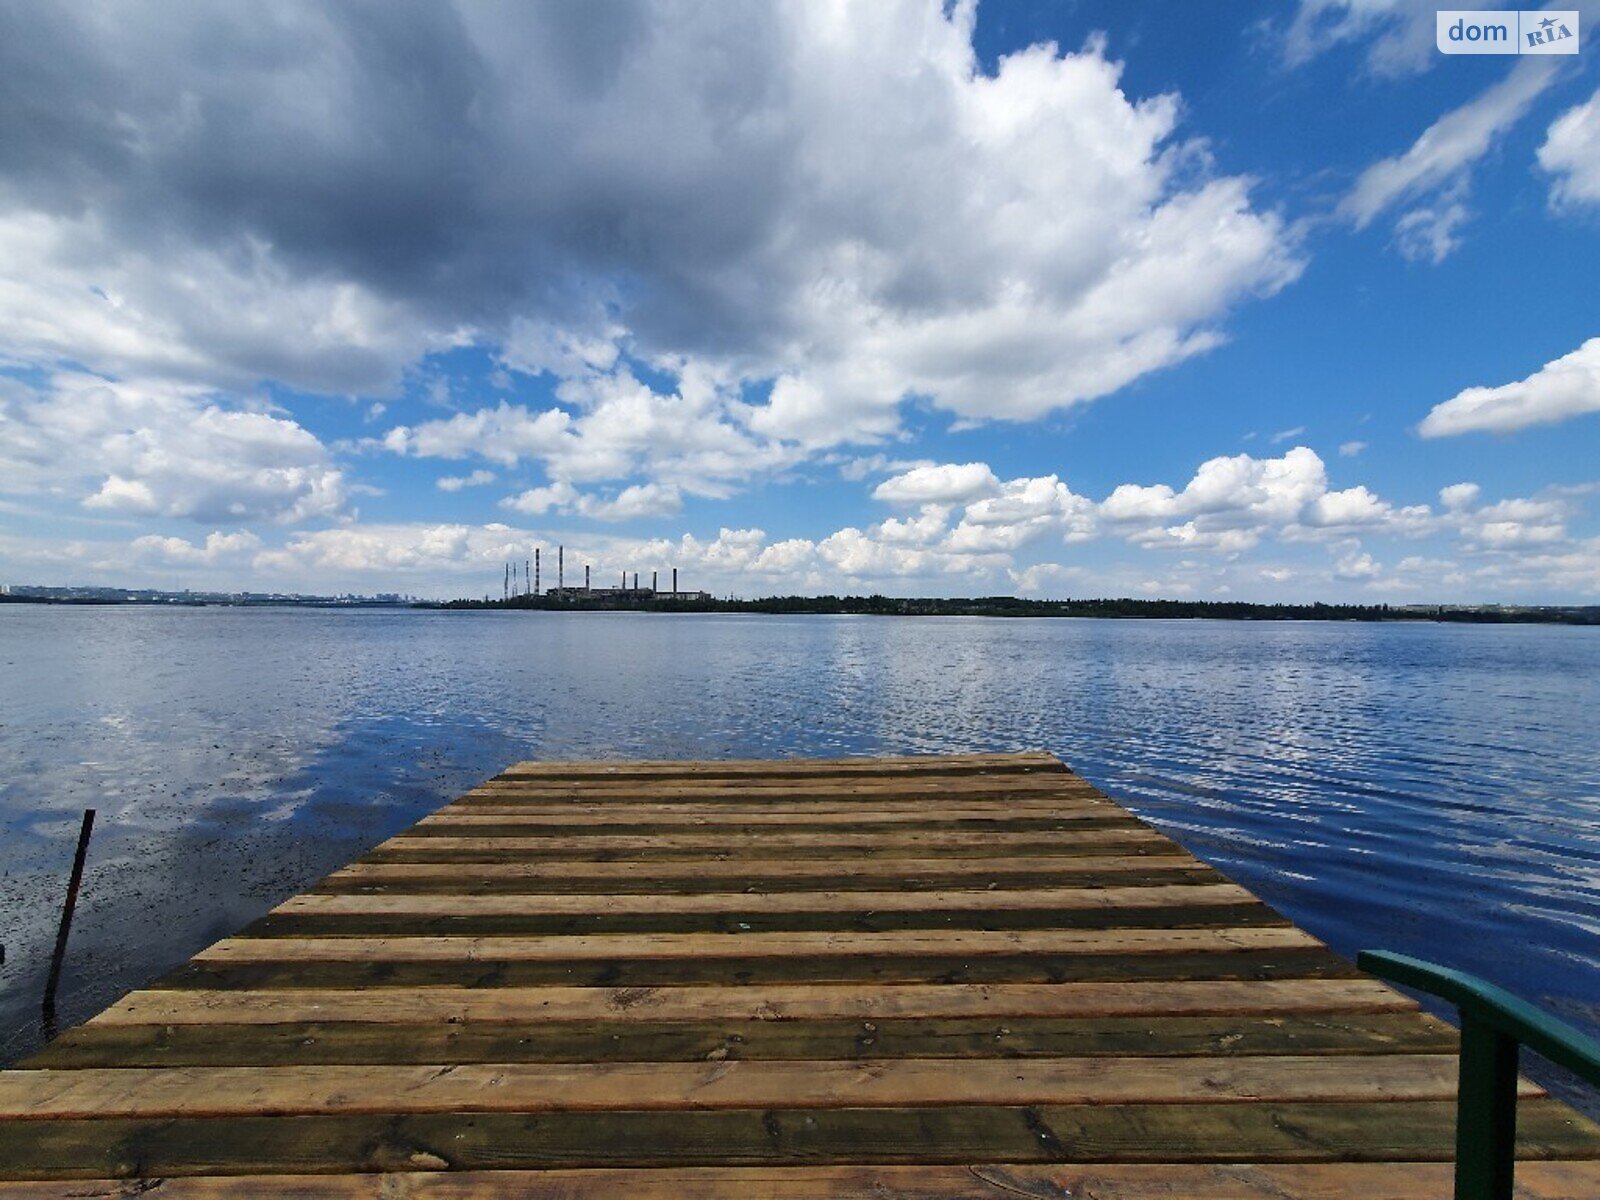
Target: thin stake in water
<point>66,916</point>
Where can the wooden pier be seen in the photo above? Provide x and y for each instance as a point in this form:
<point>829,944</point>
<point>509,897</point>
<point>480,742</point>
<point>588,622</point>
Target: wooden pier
<point>918,978</point>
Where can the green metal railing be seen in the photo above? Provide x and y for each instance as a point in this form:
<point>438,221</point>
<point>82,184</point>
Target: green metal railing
<point>1494,1026</point>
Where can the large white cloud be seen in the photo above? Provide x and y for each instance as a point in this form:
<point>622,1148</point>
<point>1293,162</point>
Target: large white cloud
<point>690,439</point>
<point>217,547</point>
<point>631,503</point>
<point>945,483</point>
<point>159,450</point>
<point>1559,390</point>
<point>1228,507</point>
<point>835,199</point>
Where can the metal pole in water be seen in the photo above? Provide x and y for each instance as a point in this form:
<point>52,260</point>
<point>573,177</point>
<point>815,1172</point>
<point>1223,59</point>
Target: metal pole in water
<point>66,914</point>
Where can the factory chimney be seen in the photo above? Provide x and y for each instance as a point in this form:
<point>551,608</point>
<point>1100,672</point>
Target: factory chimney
<point>561,567</point>
<point>536,570</point>
<point>586,577</point>
<point>674,581</point>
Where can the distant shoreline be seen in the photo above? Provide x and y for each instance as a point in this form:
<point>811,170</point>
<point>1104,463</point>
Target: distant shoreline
<point>1124,608</point>
<point>1011,606</point>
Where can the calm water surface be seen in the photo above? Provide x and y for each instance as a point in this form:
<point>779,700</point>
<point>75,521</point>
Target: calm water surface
<point>1431,789</point>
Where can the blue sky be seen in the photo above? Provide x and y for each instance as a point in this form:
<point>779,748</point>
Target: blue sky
<point>1268,302</point>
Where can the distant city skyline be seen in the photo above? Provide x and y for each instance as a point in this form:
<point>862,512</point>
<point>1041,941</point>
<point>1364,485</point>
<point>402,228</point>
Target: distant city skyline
<point>1259,301</point>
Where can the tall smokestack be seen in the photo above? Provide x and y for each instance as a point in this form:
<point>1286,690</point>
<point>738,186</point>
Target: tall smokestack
<point>586,577</point>
<point>674,581</point>
<point>527,578</point>
<point>561,566</point>
<point>636,581</point>
<point>536,570</point>
<point>506,595</point>
<point>654,587</point>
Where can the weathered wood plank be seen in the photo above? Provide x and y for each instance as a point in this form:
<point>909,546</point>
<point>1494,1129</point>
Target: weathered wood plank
<point>744,840</point>
<point>766,811</point>
<point>546,1005</point>
<point>612,947</point>
<point>1253,914</point>
<point>1404,1132</point>
<point>411,1038</point>
<point>716,875</point>
<point>978,1181</point>
<point>731,834</point>
<point>319,1089</point>
<point>1127,839</point>
<point>1216,895</point>
<point>832,791</point>
<point>324,915</point>
<point>497,824</point>
<point>884,968</point>
<point>1024,762</point>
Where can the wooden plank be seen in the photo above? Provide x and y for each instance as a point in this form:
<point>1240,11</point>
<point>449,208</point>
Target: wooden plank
<point>909,840</point>
<point>935,764</point>
<point>333,915</point>
<point>887,968</point>
<point>1131,838</point>
<point>510,823</point>
<point>36,1095</point>
<point>1252,914</point>
<point>413,1039</point>
<point>977,1181</point>
<point>831,791</point>
<point>766,786</point>
<point>996,775</point>
<point>735,832</point>
<point>799,902</point>
<point>456,1005</point>
<point>711,875</point>
<point>764,812</point>
<point>1405,1132</point>
<point>609,947</point>
<point>845,773</point>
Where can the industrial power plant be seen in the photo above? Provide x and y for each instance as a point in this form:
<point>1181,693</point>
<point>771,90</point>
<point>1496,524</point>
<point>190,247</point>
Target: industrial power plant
<point>529,583</point>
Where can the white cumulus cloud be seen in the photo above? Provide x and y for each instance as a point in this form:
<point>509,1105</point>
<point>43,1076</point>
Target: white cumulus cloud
<point>1558,391</point>
<point>946,483</point>
<point>155,449</point>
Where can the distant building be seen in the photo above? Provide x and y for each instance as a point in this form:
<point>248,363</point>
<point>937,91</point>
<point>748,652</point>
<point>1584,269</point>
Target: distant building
<point>633,595</point>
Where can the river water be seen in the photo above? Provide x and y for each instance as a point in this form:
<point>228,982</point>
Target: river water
<point>1433,789</point>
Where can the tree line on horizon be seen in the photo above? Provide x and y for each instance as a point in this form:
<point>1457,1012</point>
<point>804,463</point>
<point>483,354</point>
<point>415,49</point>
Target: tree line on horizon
<point>1016,606</point>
